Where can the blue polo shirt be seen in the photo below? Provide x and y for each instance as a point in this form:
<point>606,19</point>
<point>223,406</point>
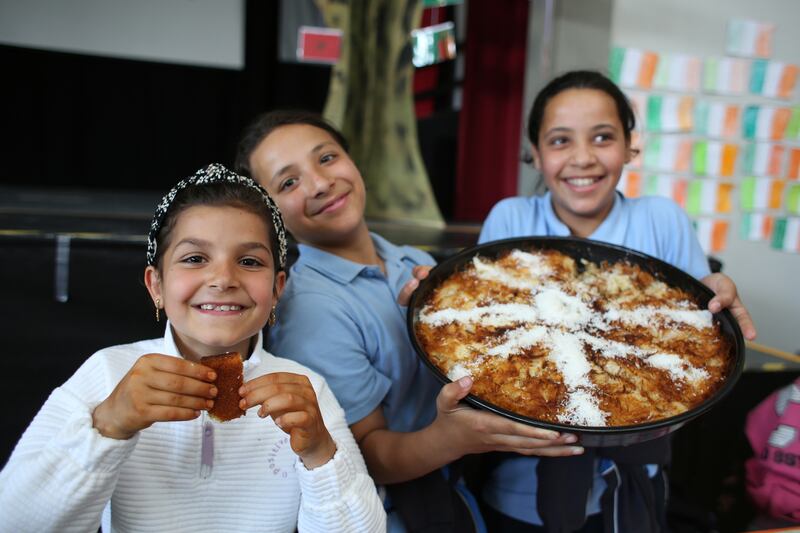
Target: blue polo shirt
<point>652,225</point>
<point>342,320</point>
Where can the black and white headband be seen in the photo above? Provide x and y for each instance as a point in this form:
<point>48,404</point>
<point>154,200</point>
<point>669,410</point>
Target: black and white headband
<point>215,173</point>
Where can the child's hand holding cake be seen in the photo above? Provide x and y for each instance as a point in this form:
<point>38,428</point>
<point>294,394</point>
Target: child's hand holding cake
<point>292,403</point>
<point>157,388</point>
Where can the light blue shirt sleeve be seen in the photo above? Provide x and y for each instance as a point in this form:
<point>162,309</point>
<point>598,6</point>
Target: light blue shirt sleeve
<point>677,242</point>
<point>498,224</point>
<point>321,335</point>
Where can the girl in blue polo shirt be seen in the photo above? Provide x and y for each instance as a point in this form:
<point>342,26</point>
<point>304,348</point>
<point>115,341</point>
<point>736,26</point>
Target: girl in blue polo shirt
<point>580,131</point>
<point>340,316</point>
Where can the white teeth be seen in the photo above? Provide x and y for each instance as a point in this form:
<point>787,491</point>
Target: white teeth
<point>211,307</point>
<point>581,182</point>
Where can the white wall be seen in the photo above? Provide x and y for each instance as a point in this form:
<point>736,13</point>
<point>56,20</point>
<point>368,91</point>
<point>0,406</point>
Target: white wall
<point>197,32</point>
<point>769,280</point>
<point>698,26</point>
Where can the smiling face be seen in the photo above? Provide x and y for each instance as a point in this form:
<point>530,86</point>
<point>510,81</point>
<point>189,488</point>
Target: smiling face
<point>316,185</point>
<point>216,280</point>
<point>582,149</point>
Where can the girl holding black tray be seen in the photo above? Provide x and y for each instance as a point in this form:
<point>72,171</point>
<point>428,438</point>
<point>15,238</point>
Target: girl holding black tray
<point>580,131</point>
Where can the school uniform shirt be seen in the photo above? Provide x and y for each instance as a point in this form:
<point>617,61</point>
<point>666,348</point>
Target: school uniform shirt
<point>342,319</point>
<point>196,475</point>
<point>653,225</point>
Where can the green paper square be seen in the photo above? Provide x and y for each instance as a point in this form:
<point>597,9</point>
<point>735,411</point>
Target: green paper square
<point>778,233</point>
<point>748,158</point>
<point>758,71</point>
<point>750,121</point>
<point>652,152</point>
<point>693,195</point>
<point>701,117</point>
<point>793,129</point>
<point>747,193</point>
<point>651,185</point>
<point>615,59</point>
<point>654,103</point>
<point>699,155</point>
<point>793,199</point>
<point>710,66</point>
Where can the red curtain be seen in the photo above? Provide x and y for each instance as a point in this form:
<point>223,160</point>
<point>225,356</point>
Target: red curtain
<point>490,120</point>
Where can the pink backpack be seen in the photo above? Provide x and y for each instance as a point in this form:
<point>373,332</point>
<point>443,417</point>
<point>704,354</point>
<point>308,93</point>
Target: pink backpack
<point>773,474</point>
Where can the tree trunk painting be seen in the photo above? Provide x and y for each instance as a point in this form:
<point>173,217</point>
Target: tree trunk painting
<point>370,99</point>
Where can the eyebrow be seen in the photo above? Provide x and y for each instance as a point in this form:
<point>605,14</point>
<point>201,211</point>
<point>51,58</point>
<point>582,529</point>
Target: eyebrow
<point>604,126</point>
<point>314,150</point>
<point>193,242</point>
<point>253,245</point>
<point>561,129</point>
<point>201,243</point>
<point>557,130</point>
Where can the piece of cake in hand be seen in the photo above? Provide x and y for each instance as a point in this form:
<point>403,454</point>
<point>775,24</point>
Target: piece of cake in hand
<point>229,369</point>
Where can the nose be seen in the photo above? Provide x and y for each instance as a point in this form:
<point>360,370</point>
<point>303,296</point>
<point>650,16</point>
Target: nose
<point>583,155</point>
<point>321,183</point>
<point>222,276</point>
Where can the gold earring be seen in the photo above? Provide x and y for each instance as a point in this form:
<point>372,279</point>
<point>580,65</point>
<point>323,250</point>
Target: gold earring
<point>272,317</point>
<point>158,308</point>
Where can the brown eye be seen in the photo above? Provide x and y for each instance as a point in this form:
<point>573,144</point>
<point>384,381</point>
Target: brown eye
<point>251,262</point>
<point>288,182</point>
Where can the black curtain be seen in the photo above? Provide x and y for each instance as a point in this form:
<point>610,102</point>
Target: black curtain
<point>77,120</point>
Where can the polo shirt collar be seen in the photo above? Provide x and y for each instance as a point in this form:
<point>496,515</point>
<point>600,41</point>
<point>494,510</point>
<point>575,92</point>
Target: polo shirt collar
<point>343,270</point>
<point>387,251</point>
<point>554,225</point>
<point>613,225</point>
<point>609,226</point>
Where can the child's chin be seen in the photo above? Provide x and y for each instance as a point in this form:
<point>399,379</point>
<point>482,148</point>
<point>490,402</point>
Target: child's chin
<point>217,346</point>
<point>586,208</point>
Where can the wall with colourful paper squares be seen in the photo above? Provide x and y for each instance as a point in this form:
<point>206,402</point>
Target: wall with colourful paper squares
<point>718,135</point>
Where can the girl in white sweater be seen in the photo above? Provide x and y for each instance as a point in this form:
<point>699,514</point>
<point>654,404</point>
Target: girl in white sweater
<point>127,440</point>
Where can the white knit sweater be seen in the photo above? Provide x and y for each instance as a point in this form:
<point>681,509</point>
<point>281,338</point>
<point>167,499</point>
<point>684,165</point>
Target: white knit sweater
<point>64,476</point>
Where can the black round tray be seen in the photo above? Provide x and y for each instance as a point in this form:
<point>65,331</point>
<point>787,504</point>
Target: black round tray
<point>596,252</point>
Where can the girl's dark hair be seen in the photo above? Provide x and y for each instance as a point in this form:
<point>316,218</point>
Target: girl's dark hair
<point>220,194</point>
<point>268,122</point>
<point>580,79</point>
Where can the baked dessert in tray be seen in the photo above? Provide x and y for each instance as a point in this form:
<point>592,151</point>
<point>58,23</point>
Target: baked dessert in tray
<point>570,341</point>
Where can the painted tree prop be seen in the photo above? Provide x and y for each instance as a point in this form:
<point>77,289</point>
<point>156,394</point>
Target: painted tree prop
<point>370,99</point>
